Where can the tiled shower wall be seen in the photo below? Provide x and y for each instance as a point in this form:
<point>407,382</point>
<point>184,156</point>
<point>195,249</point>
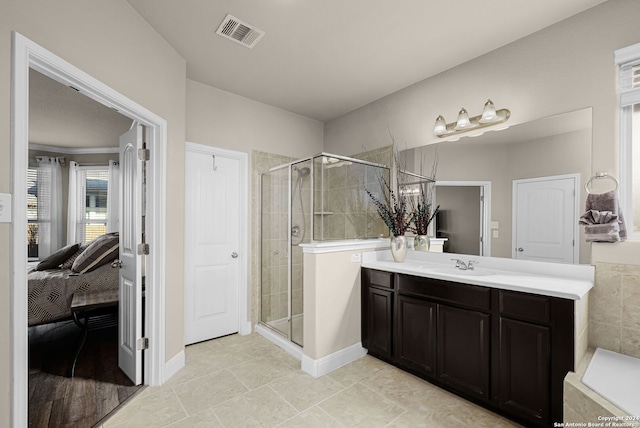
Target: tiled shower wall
<point>614,309</point>
<point>343,209</point>
<point>352,219</point>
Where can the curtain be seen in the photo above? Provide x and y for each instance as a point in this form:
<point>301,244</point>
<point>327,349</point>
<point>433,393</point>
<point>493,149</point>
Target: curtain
<point>113,197</point>
<point>76,204</point>
<point>49,205</point>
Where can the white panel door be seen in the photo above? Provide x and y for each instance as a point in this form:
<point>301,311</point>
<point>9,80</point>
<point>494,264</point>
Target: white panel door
<point>130,305</point>
<point>545,219</point>
<point>212,242</point>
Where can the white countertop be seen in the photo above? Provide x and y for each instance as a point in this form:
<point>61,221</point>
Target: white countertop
<point>548,279</point>
<point>319,247</point>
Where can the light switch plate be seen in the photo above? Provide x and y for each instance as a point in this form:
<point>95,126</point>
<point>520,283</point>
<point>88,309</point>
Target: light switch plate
<point>495,225</point>
<point>356,258</point>
<point>496,234</point>
<point>5,208</point>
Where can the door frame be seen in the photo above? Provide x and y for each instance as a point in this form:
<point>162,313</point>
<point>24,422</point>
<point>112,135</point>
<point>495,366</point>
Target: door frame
<point>244,322</point>
<point>25,55</point>
<point>576,210</point>
<point>485,221</point>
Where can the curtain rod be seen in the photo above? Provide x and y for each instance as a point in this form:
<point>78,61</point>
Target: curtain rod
<point>95,164</point>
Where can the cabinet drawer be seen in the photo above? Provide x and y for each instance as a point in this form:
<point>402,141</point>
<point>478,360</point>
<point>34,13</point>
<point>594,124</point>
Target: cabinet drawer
<point>380,279</point>
<point>445,291</point>
<point>525,306</point>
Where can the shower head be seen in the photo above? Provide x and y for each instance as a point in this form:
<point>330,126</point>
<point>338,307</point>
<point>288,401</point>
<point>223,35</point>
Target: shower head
<point>302,172</point>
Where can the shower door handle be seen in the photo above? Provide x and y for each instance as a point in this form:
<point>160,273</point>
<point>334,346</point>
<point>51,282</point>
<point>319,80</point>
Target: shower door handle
<point>234,255</point>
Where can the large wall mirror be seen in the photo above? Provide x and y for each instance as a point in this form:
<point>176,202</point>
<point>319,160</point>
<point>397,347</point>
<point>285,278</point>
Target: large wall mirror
<point>496,189</point>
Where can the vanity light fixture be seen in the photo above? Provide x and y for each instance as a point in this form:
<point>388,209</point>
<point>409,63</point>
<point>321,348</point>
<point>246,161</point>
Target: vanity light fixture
<point>489,117</point>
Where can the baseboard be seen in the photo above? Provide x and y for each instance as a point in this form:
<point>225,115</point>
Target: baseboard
<point>324,365</point>
<point>245,328</point>
<point>277,339</point>
<point>174,365</point>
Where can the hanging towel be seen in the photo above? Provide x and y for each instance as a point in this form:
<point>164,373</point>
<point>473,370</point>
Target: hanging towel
<point>603,218</point>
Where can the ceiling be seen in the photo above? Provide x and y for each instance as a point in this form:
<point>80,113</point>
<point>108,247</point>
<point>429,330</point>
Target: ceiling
<point>324,58</point>
<point>62,117</point>
<point>320,59</point>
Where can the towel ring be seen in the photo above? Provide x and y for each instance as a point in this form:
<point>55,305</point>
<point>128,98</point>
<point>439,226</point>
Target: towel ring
<point>600,175</point>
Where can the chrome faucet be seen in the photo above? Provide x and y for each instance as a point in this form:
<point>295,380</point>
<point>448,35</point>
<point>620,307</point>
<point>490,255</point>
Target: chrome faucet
<point>465,266</point>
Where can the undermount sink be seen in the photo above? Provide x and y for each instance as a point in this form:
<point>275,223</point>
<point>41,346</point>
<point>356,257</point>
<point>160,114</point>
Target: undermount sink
<point>456,271</point>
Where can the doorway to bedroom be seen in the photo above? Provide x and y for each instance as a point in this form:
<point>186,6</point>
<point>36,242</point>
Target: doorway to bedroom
<point>27,56</point>
<point>72,204</point>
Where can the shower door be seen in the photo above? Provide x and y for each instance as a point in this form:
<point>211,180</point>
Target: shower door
<point>300,232</point>
<point>285,224</point>
<point>274,277</point>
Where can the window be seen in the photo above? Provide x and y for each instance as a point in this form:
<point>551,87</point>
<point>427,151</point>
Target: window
<point>96,184</point>
<point>628,61</point>
<point>32,213</point>
<point>88,209</point>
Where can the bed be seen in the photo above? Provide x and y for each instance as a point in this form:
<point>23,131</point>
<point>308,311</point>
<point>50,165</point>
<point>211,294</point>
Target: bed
<point>88,268</point>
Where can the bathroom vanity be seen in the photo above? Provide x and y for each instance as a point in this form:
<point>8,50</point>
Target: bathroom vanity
<point>502,335</point>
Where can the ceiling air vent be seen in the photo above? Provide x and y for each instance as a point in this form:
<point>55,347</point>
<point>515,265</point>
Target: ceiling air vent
<point>240,32</point>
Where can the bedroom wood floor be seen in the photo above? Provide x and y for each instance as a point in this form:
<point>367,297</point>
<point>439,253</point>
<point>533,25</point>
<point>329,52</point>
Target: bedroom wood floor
<point>99,386</point>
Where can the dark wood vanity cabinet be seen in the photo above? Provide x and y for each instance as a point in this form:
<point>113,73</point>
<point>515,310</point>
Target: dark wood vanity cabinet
<point>506,350</point>
<point>380,322</point>
<point>416,335</point>
<point>464,350</point>
<point>535,350</point>
<point>377,313</point>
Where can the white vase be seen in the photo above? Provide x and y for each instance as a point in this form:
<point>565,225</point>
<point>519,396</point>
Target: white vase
<point>421,243</point>
<point>399,248</point>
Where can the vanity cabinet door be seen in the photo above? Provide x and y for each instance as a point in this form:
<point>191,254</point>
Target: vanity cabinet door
<point>464,350</point>
<point>416,334</point>
<point>379,322</point>
<point>525,363</point>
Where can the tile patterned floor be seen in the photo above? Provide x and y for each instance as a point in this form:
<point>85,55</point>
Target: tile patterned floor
<point>246,381</point>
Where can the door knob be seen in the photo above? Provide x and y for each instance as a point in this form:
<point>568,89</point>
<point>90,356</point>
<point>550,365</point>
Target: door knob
<point>520,249</point>
<point>234,255</point>
<point>117,264</point>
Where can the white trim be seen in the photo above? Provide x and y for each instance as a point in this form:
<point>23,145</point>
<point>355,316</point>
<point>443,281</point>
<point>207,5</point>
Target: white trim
<point>321,247</point>
<point>485,221</point>
<point>27,54</point>
<point>625,165</point>
<point>279,340</point>
<point>20,149</point>
<point>73,150</point>
<point>576,210</point>
<point>623,56</point>
<point>244,324</point>
<point>331,362</point>
<point>175,364</point>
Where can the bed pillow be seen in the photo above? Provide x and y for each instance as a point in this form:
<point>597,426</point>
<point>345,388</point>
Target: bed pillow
<point>57,258</point>
<point>69,262</point>
<point>100,251</point>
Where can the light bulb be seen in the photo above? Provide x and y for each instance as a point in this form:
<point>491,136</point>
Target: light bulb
<point>489,113</point>
<point>440,126</point>
<point>463,120</point>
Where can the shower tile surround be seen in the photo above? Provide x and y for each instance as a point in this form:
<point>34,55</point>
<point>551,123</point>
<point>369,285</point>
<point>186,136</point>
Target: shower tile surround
<point>352,216</point>
<point>344,210</point>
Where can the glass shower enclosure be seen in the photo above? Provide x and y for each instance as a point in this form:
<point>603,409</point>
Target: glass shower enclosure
<point>319,198</point>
